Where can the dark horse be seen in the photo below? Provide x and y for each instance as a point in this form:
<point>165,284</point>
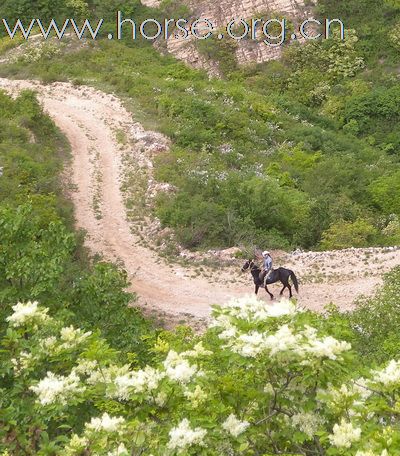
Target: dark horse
<point>276,275</point>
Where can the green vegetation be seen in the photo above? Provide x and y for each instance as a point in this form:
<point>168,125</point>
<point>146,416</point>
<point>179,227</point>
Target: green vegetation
<point>40,255</point>
<point>303,151</point>
<point>285,153</point>
<point>262,380</point>
<point>376,321</point>
<point>220,51</point>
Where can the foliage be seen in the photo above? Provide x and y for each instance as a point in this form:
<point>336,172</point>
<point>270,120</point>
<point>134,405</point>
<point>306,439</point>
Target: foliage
<point>40,255</point>
<point>393,3</point>
<point>331,104</point>
<point>32,257</point>
<point>44,10</point>
<point>376,321</point>
<point>223,52</point>
<point>6,43</point>
<point>302,121</point>
<point>262,380</point>
<point>383,191</point>
<point>343,235</point>
<point>99,299</point>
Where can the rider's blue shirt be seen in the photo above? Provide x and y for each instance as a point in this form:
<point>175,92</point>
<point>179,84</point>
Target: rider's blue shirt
<point>267,263</point>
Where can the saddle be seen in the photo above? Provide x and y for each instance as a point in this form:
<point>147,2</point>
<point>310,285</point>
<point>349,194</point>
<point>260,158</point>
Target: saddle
<point>264,279</point>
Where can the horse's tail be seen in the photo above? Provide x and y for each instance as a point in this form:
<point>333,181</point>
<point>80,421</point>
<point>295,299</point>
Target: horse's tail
<point>295,282</point>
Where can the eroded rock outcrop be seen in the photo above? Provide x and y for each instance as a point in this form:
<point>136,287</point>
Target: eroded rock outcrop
<point>151,3</point>
<point>223,11</point>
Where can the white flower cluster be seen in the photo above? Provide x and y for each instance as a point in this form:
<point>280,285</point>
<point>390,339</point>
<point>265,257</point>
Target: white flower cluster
<point>328,347</point>
<point>372,453</point>
<point>234,426</point>
<point>70,338</point>
<point>197,396</point>
<point>29,312</point>
<point>269,389</point>
<point>390,375</point>
<point>122,382</point>
<point>141,381</point>
<point>183,436</point>
<point>285,341</point>
<point>76,445</point>
<point>85,367</point>
<point>179,369</point>
<point>344,434</point>
<point>56,388</point>
<point>198,350</point>
<point>161,399</point>
<point>250,308</point>
<point>105,423</point>
<point>24,361</point>
<point>349,395</point>
<point>307,423</point>
<point>224,322</point>
<point>120,451</point>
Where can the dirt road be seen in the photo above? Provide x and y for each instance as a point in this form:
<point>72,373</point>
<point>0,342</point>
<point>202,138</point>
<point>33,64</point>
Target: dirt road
<point>92,120</point>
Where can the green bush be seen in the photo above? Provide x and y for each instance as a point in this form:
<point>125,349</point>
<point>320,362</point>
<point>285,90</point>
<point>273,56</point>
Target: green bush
<point>343,235</point>
<point>33,253</point>
<point>384,191</point>
<point>40,255</point>
<point>376,320</point>
<point>261,380</point>
<point>99,300</point>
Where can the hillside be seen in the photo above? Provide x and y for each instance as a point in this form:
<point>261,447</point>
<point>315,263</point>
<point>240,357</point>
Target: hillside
<point>93,123</point>
<point>134,185</point>
<point>299,152</point>
<point>202,54</point>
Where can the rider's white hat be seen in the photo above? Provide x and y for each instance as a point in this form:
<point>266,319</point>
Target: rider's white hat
<point>265,253</point>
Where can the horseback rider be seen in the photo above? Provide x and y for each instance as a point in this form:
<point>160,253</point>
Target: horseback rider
<point>267,266</point>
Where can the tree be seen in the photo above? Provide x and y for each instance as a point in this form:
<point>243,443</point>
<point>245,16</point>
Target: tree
<point>343,235</point>
<point>32,253</point>
<point>261,380</point>
<point>384,193</point>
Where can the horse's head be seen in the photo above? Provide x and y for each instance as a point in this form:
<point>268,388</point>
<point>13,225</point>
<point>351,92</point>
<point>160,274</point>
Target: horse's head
<point>248,265</point>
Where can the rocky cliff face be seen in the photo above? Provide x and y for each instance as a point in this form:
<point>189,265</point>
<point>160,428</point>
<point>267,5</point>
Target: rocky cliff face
<point>220,13</point>
<point>151,3</point>
<point>224,10</point>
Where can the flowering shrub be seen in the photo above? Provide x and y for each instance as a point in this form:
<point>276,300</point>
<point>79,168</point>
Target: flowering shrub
<point>261,380</point>
<point>37,51</point>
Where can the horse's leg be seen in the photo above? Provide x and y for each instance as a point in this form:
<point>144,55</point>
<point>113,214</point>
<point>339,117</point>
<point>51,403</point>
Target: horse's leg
<point>290,291</point>
<point>257,287</point>
<point>270,294</point>
<point>283,289</point>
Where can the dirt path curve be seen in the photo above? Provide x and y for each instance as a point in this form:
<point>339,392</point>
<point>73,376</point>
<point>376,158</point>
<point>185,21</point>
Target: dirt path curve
<point>90,120</point>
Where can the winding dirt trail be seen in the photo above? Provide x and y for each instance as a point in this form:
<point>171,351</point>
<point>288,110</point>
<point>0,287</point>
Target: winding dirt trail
<point>90,120</point>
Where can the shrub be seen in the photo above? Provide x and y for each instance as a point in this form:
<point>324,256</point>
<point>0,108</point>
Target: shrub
<point>376,321</point>
<point>383,191</point>
<point>99,300</point>
<point>32,256</point>
<point>262,380</point>
<point>343,235</point>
